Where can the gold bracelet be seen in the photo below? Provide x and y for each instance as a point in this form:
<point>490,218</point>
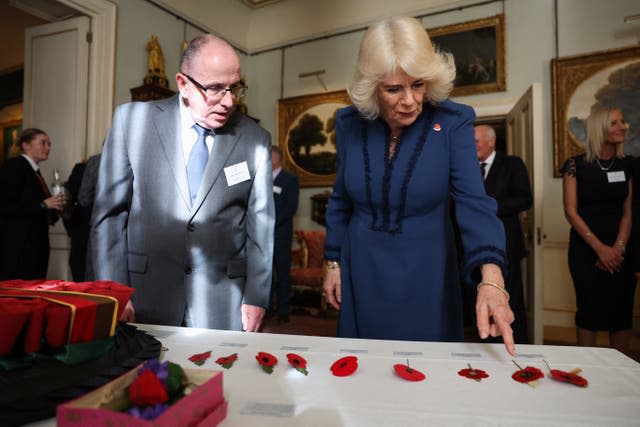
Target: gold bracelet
<point>332,265</point>
<point>494,285</point>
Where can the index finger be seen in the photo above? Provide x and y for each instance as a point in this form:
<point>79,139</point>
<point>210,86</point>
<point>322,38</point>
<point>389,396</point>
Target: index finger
<point>507,334</point>
<point>482,320</point>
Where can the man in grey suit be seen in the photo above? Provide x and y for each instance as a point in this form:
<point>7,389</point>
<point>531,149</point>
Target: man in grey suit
<point>184,206</point>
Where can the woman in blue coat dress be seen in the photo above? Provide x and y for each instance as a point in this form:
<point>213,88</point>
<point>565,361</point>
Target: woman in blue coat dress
<point>405,154</point>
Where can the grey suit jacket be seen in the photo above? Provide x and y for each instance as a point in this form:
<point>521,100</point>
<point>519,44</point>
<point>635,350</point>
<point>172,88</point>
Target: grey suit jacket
<point>208,258</point>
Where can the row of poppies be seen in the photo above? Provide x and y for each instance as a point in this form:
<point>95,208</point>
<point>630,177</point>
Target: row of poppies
<point>347,365</point>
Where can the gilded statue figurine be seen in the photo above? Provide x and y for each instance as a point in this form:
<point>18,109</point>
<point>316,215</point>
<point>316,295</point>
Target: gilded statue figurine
<point>155,62</point>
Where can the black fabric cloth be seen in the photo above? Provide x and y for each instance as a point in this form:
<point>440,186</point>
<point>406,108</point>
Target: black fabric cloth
<point>24,225</point>
<point>32,394</point>
<point>635,212</point>
<point>604,300</point>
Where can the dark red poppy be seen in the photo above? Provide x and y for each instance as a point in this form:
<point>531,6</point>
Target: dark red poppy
<point>147,390</point>
<point>298,362</point>
<point>227,361</point>
<point>200,358</point>
<point>267,361</point>
<point>408,373</point>
<point>473,374</point>
<point>528,375</point>
<point>568,377</point>
<point>345,366</point>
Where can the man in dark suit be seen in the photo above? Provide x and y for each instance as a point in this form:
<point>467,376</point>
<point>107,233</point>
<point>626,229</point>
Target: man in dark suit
<point>507,181</point>
<point>76,222</point>
<point>26,210</point>
<point>285,195</point>
<point>184,205</point>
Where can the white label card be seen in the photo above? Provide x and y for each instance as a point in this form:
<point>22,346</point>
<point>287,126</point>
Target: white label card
<point>617,176</point>
<point>277,189</point>
<point>237,173</point>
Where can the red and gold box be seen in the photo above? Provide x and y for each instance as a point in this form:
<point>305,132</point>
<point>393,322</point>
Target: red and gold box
<point>204,406</point>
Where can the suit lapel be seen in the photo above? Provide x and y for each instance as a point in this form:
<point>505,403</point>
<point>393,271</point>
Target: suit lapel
<point>167,124</point>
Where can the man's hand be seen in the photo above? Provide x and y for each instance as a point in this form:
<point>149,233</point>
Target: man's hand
<point>252,316</point>
<point>129,313</point>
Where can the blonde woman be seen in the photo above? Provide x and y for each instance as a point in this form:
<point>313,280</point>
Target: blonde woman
<point>404,151</point>
<point>597,191</point>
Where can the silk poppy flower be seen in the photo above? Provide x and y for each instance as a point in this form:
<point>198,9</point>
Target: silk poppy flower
<point>147,390</point>
<point>227,361</point>
<point>267,361</point>
<point>570,377</point>
<point>408,373</point>
<point>473,374</point>
<point>345,366</point>
<point>528,375</point>
<point>298,362</point>
<point>200,358</point>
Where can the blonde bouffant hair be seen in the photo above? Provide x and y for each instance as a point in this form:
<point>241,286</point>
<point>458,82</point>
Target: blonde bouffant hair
<point>399,43</point>
<point>597,127</point>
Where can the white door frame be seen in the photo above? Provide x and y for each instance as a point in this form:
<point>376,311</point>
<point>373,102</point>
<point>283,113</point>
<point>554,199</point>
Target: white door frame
<point>102,51</point>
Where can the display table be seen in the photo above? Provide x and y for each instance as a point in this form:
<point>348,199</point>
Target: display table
<point>375,396</point>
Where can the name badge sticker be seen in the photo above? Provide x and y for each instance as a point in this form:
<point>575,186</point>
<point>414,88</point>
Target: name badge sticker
<point>237,173</point>
<point>617,176</point>
<point>277,189</point>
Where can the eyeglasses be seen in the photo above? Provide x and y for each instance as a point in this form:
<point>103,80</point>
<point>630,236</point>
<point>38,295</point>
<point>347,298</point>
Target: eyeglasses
<point>219,91</point>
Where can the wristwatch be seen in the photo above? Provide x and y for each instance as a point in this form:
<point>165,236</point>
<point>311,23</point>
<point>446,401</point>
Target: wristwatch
<point>332,265</point>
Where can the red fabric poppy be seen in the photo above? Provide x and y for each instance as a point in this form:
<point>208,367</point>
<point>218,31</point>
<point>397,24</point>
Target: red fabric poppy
<point>408,373</point>
<point>473,374</point>
<point>345,366</point>
<point>568,377</point>
<point>200,358</point>
<point>147,390</point>
<point>267,361</point>
<point>298,362</point>
<point>227,361</point>
<point>527,375</point>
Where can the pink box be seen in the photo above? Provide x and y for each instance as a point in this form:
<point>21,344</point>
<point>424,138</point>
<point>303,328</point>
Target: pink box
<point>204,406</point>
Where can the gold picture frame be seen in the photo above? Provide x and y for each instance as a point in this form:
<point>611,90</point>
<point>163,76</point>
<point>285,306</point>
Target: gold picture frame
<point>580,82</point>
<point>9,134</point>
<point>306,135</point>
<point>478,48</point>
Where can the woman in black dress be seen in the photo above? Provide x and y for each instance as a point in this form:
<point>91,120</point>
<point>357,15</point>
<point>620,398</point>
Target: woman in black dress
<point>597,191</point>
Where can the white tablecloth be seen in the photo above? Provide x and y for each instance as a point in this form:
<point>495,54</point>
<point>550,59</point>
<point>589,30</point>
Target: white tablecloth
<point>375,396</point>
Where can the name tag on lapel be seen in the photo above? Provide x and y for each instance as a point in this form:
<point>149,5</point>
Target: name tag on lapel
<point>617,176</point>
<point>277,189</point>
<point>237,173</point>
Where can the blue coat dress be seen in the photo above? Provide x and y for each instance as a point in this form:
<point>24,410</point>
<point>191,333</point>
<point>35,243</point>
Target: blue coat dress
<point>388,224</point>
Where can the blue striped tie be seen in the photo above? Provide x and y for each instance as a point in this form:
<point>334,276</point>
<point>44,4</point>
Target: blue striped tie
<point>197,161</point>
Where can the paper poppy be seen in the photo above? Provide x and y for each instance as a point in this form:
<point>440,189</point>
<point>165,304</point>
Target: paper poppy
<point>147,390</point>
<point>571,377</point>
<point>267,361</point>
<point>408,373</point>
<point>345,366</point>
<point>227,361</point>
<point>200,358</point>
<point>473,374</point>
<point>298,362</point>
<point>528,375</point>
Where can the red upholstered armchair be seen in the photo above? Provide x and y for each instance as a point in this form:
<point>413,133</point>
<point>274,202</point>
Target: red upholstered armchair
<point>306,280</point>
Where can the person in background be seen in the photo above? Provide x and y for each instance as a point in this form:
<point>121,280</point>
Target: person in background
<point>27,210</point>
<point>184,205</point>
<point>507,181</point>
<point>76,222</point>
<point>403,151</point>
<point>597,193</point>
<point>285,196</point>
<point>86,195</point>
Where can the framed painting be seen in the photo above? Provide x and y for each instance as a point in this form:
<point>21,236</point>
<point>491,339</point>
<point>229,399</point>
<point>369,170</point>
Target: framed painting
<point>478,49</point>
<point>9,134</point>
<point>583,83</point>
<point>307,135</point>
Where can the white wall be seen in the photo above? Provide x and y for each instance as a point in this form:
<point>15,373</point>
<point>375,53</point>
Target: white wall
<point>583,26</point>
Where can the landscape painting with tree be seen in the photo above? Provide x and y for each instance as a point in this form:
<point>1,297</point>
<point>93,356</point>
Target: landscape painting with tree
<point>306,135</point>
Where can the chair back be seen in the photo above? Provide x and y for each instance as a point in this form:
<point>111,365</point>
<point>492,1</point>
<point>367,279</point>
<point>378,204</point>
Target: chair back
<point>312,244</point>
